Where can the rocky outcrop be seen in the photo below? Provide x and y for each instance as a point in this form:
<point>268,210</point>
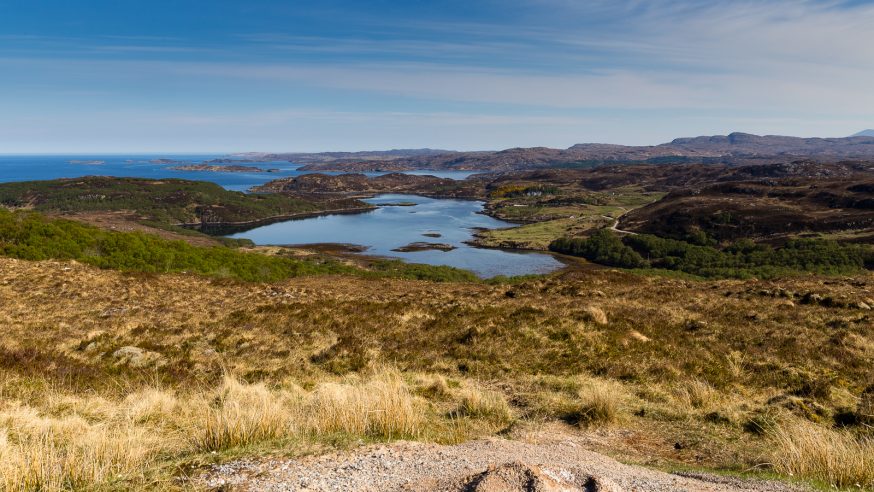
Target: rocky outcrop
<point>424,246</point>
<point>518,476</point>
<point>136,357</point>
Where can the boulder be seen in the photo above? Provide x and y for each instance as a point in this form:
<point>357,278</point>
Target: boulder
<point>137,357</point>
<point>522,477</point>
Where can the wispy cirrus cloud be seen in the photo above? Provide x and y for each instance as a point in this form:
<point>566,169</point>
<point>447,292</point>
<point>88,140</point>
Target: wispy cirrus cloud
<point>514,70</point>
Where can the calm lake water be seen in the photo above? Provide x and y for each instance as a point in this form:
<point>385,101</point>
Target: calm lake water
<point>39,167</point>
<point>390,227</point>
<point>381,231</point>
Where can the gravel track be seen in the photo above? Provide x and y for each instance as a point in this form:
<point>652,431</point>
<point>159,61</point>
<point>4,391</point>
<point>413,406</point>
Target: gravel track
<point>488,465</point>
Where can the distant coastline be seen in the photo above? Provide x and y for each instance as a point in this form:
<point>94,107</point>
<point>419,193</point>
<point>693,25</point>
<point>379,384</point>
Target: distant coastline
<point>222,169</point>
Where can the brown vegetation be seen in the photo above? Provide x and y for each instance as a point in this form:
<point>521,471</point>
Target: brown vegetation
<point>766,202</point>
<point>736,148</point>
<point>697,371</point>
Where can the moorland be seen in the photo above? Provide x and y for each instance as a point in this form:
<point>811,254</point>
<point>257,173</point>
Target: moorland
<point>735,148</point>
<point>712,318</point>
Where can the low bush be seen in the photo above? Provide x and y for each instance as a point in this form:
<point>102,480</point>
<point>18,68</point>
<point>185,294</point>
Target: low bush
<point>434,273</point>
<point>743,259</point>
<point>601,247</point>
<point>32,236</point>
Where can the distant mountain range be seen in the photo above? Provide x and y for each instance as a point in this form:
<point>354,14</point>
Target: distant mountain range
<point>736,148</point>
<point>865,133</point>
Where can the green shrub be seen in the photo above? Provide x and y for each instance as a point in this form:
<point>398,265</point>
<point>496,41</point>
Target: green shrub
<point>32,236</point>
<point>416,271</point>
<point>743,259</point>
<point>601,247</point>
<point>161,202</point>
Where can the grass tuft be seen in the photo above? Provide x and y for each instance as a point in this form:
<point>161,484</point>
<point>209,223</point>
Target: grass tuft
<point>599,403</point>
<point>383,407</point>
<point>696,394</point>
<point>596,315</point>
<point>44,453</point>
<point>486,404</point>
<point>810,451</point>
<point>242,414</point>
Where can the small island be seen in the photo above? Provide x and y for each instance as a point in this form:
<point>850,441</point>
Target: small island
<point>89,163</point>
<point>423,246</point>
<point>397,204</point>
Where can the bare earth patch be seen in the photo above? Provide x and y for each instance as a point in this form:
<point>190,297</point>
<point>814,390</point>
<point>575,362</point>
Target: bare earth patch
<point>539,463</point>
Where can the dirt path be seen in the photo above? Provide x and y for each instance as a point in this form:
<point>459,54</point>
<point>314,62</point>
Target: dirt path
<point>615,226</point>
<point>491,465</point>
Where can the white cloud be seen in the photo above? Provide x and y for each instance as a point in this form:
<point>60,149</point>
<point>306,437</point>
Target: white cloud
<point>803,89</point>
<point>649,70</point>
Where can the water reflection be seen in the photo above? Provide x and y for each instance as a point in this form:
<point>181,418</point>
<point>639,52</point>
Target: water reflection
<point>390,227</point>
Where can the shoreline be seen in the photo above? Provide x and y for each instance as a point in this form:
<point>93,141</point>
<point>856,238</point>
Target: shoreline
<point>360,251</point>
<point>373,194</point>
<point>251,224</point>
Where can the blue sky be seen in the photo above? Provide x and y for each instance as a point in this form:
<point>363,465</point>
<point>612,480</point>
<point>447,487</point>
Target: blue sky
<point>227,76</point>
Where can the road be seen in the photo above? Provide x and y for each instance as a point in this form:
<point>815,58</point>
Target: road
<point>615,226</point>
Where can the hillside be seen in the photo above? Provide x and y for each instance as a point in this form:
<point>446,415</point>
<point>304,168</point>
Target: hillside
<point>165,202</point>
<point>131,362</point>
<point>145,380</point>
<point>763,202</point>
<point>767,202</point>
<point>354,184</point>
<point>736,148</point>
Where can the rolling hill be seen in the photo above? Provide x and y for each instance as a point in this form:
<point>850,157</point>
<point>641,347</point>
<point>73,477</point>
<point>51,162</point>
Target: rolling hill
<point>735,148</point>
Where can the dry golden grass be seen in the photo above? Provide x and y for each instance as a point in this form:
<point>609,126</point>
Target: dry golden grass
<point>486,404</point>
<point>383,407</point>
<point>242,414</point>
<point>599,402</point>
<point>696,394</point>
<point>151,405</point>
<point>122,439</point>
<point>837,458</point>
<point>38,452</point>
<point>309,346</point>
